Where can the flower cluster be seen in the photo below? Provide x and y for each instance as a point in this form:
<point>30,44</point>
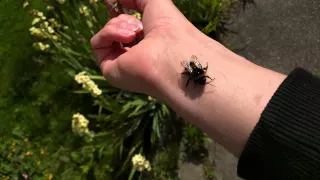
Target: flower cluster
<point>41,46</point>
<point>80,124</point>
<point>137,15</point>
<point>84,10</point>
<point>140,163</point>
<point>50,8</point>
<point>88,84</point>
<point>46,29</point>
<point>61,1</point>
<point>49,176</point>
<point>25,4</point>
<point>38,14</point>
<point>28,153</point>
<point>93,1</point>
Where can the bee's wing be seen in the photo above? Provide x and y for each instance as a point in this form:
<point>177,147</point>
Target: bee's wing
<point>186,65</point>
<point>197,63</point>
<point>194,58</point>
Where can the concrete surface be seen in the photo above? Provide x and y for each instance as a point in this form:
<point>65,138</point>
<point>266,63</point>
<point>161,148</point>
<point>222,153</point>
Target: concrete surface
<point>279,35</point>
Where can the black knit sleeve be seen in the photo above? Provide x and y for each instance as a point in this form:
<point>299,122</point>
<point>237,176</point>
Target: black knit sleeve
<point>285,144</point>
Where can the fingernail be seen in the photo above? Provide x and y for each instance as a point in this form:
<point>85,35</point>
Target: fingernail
<point>126,31</point>
<point>136,23</point>
<point>131,27</point>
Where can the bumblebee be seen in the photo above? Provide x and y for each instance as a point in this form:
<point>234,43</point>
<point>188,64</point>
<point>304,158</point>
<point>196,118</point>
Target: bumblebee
<point>195,71</point>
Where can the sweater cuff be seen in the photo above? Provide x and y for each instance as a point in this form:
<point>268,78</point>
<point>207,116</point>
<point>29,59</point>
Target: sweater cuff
<point>285,144</point>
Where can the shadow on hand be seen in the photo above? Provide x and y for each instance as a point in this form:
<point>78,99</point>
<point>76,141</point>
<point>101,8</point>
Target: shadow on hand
<point>194,90</point>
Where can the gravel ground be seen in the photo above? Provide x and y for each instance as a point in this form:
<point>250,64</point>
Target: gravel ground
<point>280,35</point>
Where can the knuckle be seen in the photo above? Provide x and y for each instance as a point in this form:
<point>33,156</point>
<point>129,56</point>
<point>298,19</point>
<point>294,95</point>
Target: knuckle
<point>107,70</point>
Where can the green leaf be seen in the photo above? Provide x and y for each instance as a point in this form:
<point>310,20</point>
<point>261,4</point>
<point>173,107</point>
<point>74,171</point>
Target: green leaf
<point>133,149</point>
<point>85,168</point>
<point>155,128</point>
<point>165,110</point>
<point>133,113</point>
<point>133,127</point>
<point>77,157</point>
<point>132,104</point>
<point>131,174</point>
<point>208,139</point>
<point>65,36</point>
<point>81,92</point>
<point>121,148</point>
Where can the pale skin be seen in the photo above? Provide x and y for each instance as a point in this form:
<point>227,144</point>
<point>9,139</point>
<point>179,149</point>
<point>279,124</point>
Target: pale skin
<point>227,111</point>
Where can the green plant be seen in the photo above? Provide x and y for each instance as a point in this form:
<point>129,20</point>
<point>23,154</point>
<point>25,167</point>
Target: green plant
<point>22,158</point>
<point>194,140</point>
<point>209,170</point>
<point>122,119</point>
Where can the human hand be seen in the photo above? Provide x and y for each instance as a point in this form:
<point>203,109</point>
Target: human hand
<point>169,38</point>
<point>241,89</point>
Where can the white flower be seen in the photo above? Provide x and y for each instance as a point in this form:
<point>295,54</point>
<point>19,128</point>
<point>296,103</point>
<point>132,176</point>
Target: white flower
<point>25,4</point>
<point>80,124</point>
<point>40,14</point>
<point>137,15</point>
<point>35,21</point>
<point>87,84</point>
<point>61,1</point>
<point>81,78</point>
<point>50,30</point>
<point>41,46</point>
<point>50,8</point>
<point>55,37</point>
<point>36,32</point>
<point>93,1</point>
<point>84,10</point>
<point>140,163</point>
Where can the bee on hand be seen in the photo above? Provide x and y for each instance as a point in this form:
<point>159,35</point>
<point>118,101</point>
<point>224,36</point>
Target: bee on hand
<point>195,71</point>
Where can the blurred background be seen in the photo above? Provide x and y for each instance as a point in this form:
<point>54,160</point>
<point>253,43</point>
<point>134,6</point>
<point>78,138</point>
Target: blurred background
<point>61,120</point>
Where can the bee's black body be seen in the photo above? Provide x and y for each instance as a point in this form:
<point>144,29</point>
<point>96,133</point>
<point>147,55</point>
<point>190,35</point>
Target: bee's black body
<point>195,71</point>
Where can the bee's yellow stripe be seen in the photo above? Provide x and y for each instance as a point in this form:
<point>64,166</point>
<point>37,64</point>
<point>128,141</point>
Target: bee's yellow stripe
<point>201,75</point>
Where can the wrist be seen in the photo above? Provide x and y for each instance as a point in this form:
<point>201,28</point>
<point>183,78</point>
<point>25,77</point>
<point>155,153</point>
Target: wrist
<point>228,110</point>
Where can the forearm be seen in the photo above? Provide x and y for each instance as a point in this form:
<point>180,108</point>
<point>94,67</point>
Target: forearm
<point>229,110</point>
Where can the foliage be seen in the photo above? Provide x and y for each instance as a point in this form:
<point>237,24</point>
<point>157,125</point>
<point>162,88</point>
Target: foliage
<point>208,16</point>
<point>209,170</point>
<point>194,140</point>
<point>45,95</point>
<point>20,158</point>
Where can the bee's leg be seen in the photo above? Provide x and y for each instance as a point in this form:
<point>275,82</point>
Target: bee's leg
<point>206,68</point>
<point>188,82</point>
<point>186,72</point>
<point>210,81</point>
<point>210,78</point>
